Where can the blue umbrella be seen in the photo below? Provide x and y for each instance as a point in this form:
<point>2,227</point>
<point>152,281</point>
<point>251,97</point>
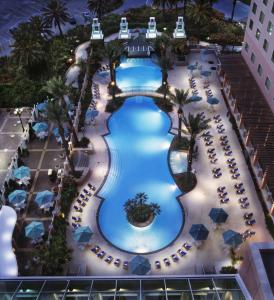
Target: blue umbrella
<point>195,98</point>
<point>191,67</point>
<point>199,232</point>
<point>213,101</point>
<point>17,197</point>
<point>44,197</point>
<point>218,215</point>
<point>21,172</point>
<point>55,131</point>
<point>34,230</point>
<point>206,73</point>
<point>232,238</point>
<point>40,127</point>
<point>82,235</point>
<point>42,106</point>
<point>91,114</point>
<point>139,265</point>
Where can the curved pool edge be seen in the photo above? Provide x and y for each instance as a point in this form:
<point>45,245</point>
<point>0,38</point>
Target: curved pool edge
<point>107,174</point>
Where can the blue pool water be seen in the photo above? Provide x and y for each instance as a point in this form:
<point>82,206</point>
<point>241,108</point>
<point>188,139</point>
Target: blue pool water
<point>139,141</point>
<point>138,73</point>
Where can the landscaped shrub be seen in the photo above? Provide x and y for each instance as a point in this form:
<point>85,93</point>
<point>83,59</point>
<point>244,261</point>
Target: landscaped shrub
<point>228,270</point>
<point>114,105</point>
<point>69,192</point>
<point>83,143</point>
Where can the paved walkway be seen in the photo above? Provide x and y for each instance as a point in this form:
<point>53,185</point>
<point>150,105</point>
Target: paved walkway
<point>197,203</point>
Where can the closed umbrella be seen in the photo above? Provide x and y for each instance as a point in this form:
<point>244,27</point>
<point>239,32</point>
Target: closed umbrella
<point>232,238</point>
<point>44,198</point>
<point>35,230</point>
<point>22,173</point>
<point>218,215</point>
<point>139,265</point>
<point>199,232</point>
<point>195,98</point>
<point>213,101</point>
<point>82,235</point>
<point>17,197</point>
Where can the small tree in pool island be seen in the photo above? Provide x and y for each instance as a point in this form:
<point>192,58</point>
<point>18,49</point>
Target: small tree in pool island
<point>139,212</point>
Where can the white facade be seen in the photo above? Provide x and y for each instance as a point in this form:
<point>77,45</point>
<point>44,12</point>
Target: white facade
<point>258,49</point>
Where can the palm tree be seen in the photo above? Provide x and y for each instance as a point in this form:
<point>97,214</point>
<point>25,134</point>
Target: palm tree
<point>39,27</point>
<point>57,114</point>
<point>194,126</point>
<point>233,9</point>
<point>27,48</point>
<point>57,88</point>
<point>55,14</point>
<point>99,8</point>
<point>161,44</point>
<point>113,51</point>
<point>181,98</point>
<point>165,64</point>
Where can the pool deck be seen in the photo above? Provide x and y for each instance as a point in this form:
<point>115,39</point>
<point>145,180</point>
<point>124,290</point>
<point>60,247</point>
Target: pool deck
<point>197,203</point>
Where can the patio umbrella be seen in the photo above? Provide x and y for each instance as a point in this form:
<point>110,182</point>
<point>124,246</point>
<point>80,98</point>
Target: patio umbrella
<point>21,173</point>
<point>213,101</point>
<point>195,98</point>
<point>17,197</point>
<point>55,131</point>
<point>206,73</point>
<point>34,230</point>
<point>91,114</point>
<point>42,106</point>
<point>43,198</point>
<point>139,265</point>
<point>40,127</point>
<point>82,235</point>
<point>232,238</point>
<point>218,215</point>
<point>191,67</point>
<point>199,232</point>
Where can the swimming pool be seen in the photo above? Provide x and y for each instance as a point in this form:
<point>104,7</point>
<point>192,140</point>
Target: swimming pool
<point>139,141</point>
<point>138,74</point>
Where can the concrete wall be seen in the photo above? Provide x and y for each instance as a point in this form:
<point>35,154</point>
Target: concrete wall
<point>264,58</point>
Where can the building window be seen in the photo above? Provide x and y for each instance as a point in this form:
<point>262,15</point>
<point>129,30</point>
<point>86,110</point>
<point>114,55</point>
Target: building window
<point>269,27</point>
<point>260,70</point>
<point>253,58</point>
<point>261,18</point>
<point>251,24</point>
<point>254,8</point>
<point>267,83</point>
<point>258,34</point>
<point>265,2</point>
<point>272,58</point>
<point>266,45</point>
<point>246,46</point>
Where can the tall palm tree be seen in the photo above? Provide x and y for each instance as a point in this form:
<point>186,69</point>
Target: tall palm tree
<point>165,64</point>
<point>39,27</point>
<point>113,51</point>
<point>233,9</point>
<point>55,14</point>
<point>194,126</point>
<point>161,44</point>
<point>57,114</point>
<point>57,88</point>
<point>98,8</point>
<point>27,48</point>
<point>181,98</point>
